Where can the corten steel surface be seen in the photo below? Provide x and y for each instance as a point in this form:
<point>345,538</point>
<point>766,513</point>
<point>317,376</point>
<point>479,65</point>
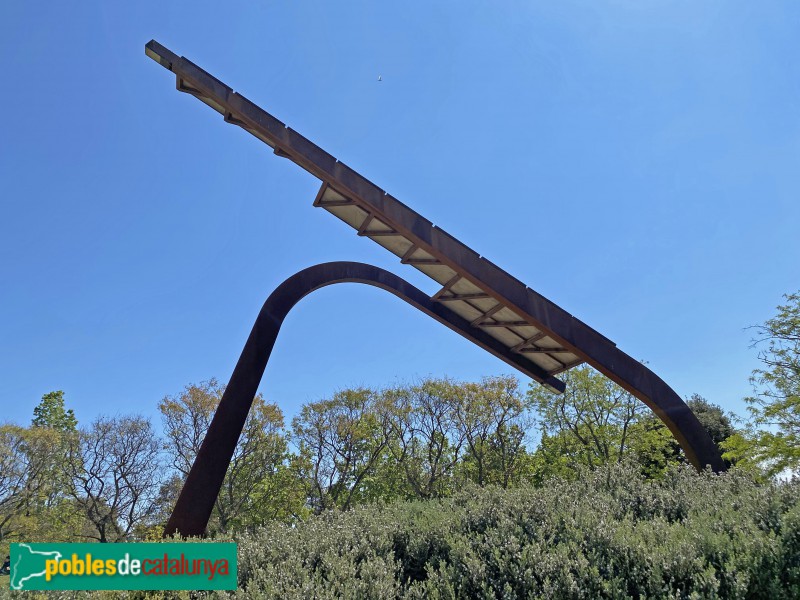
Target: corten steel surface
<point>523,321</point>
<point>193,508</point>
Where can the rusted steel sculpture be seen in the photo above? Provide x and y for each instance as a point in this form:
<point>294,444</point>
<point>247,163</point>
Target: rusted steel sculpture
<point>478,299</point>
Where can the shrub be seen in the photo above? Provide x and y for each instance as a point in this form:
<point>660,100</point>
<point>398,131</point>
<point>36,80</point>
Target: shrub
<point>607,534</point>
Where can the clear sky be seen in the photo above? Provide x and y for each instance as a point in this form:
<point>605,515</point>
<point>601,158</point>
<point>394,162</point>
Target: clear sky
<point>636,163</point>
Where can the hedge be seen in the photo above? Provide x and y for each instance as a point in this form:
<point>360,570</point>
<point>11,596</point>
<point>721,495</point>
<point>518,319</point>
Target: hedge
<point>608,534</point>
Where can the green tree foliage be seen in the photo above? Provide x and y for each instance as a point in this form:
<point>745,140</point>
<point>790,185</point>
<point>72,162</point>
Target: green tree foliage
<point>713,418</point>
<point>35,503</point>
<point>262,480</point>
<point>594,422</point>
<point>773,441</point>
<point>186,418</point>
<point>343,438</point>
<point>421,441</point>
<point>52,413</point>
<point>21,478</point>
<point>656,457</point>
<point>59,427</point>
<point>493,416</point>
<point>413,441</point>
<point>423,437</point>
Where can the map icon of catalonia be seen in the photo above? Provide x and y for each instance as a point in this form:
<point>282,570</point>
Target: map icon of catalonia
<point>27,564</point>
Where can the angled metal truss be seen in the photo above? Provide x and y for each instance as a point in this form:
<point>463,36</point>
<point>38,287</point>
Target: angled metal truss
<point>526,330</point>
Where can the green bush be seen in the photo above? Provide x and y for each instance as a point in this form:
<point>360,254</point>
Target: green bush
<point>607,534</point>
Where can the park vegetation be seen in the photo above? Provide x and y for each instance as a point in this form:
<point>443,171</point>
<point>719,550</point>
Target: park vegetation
<point>442,488</point>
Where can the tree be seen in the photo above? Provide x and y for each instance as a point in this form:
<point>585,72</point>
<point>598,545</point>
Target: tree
<point>774,437</point>
<point>51,413</point>
<point>34,485</point>
<point>492,418</point>
<point>343,438</point>
<point>424,440</point>
<point>152,527</point>
<point>54,424</point>
<point>713,418</point>
<point>657,456</point>
<point>19,478</point>
<point>115,468</point>
<point>186,418</point>
<point>262,481</point>
<point>594,422</point>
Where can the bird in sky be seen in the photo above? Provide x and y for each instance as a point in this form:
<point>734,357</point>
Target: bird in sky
<point>380,78</point>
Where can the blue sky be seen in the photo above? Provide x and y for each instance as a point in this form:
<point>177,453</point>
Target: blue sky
<point>636,163</point>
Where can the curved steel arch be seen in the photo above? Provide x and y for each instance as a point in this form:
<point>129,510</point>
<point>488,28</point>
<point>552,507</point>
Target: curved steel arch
<point>196,501</point>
